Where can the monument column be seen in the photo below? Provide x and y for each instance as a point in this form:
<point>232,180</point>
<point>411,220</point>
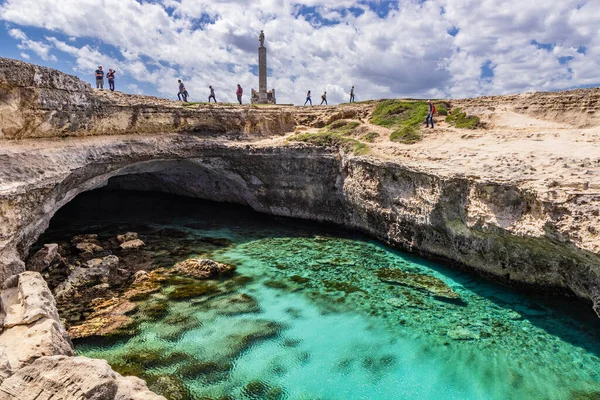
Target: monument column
<point>262,71</point>
<point>262,96</point>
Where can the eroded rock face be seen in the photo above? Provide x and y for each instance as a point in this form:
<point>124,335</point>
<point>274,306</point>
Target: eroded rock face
<point>32,327</point>
<point>95,270</point>
<point>73,378</point>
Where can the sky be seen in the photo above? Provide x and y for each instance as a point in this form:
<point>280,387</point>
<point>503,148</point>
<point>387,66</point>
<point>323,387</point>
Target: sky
<point>386,49</point>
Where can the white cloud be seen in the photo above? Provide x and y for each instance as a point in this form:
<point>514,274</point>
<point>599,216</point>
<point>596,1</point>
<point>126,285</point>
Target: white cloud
<point>409,52</point>
<point>41,49</point>
<point>25,56</point>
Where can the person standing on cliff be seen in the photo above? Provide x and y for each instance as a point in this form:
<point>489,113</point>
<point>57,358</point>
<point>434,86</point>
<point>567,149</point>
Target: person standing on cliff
<point>323,98</point>
<point>111,79</point>
<point>182,92</point>
<point>431,112</point>
<point>99,78</point>
<point>239,92</point>
<point>308,98</point>
<point>352,94</point>
<point>212,94</point>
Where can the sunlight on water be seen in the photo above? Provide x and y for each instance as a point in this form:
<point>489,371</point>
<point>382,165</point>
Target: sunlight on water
<point>312,313</point>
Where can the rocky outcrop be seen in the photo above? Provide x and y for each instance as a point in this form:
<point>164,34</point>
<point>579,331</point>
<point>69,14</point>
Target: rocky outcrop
<point>43,102</point>
<point>31,325</point>
<point>94,271</point>
<point>73,378</point>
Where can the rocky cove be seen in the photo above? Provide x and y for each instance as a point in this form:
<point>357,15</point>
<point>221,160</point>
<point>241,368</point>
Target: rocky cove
<point>506,229</point>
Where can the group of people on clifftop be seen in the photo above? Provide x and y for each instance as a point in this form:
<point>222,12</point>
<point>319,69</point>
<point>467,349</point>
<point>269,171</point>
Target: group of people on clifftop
<point>324,97</point>
<point>110,76</point>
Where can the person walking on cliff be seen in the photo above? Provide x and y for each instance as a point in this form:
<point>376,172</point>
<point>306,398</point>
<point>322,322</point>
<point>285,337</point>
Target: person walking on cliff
<point>323,98</point>
<point>99,78</point>
<point>111,79</point>
<point>352,94</point>
<point>182,91</point>
<point>431,113</point>
<point>212,94</point>
<point>308,98</point>
<point>239,92</point>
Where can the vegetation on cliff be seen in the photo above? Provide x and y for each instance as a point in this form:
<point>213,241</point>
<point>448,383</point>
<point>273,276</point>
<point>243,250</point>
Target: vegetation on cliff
<point>337,135</point>
<point>404,117</point>
<point>459,119</point>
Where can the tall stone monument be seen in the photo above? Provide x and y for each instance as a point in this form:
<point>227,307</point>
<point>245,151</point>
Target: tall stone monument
<point>262,96</point>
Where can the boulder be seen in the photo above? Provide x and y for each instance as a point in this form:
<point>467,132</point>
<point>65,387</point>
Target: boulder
<point>132,244</point>
<point>76,378</point>
<point>108,316</point>
<point>94,270</point>
<point>202,268</point>
<point>44,257</point>
<point>87,243</point>
<point>127,237</point>
<point>32,326</point>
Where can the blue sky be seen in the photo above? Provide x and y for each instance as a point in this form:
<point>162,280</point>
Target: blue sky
<point>427,48</point>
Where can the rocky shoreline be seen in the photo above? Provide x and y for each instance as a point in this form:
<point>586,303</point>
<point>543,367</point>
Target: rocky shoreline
<point>504,229</point>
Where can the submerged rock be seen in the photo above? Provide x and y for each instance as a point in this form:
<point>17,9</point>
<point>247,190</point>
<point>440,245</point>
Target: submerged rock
<point>202,268</point>
<point>126,237</point>
<point>132,244</point>
<point>463,334</point>
<point>95,270</point>
<point>239,303</point>
<point>427,283</point>
<point>87,244</point>
<point>108,317</point>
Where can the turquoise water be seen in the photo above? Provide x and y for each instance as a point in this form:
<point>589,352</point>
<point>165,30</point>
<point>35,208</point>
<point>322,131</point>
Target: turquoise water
<point>316,322</point>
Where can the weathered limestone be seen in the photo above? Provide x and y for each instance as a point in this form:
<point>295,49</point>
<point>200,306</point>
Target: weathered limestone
<point>94,271</point>
<point>73,378</point>
<point>31,327</point>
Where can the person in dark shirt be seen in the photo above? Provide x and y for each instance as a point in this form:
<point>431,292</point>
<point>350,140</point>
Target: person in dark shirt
<point>111,79</point>
<point>212,94</point>
<point>352,94</point>
<point>323,98</point>
<point>182,91</point>
<point>99,78</point>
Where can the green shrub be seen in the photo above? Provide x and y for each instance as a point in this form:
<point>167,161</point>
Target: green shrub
<point>331,139</point>
<point>342,127</point>
<point>405,117</point>
<point>459,119</point>
<point>370,137</point>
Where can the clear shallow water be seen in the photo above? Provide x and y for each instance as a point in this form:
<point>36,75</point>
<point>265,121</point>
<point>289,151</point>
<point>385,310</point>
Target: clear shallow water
<point>317,323</point>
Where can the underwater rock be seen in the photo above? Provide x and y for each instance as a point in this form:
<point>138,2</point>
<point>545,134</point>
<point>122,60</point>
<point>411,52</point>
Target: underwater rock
<point>263,391</point>
<point>95,270</point>
<point>427,283</point>
<point>145,284</point>
<point>202,268</point>
<point>108,317</point>
<point>463,334</point>
<point>239,303</point>
<point>126,237</point>
<point>132,244</point>
<point>192,290</point>
<point>223,242</point>
<point>172,387</point>
<point>87,244</point>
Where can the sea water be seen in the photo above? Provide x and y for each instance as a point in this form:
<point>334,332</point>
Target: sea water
<point>316,322</point>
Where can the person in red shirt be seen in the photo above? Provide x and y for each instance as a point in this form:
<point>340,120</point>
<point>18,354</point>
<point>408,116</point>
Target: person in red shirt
<point>239,92</point>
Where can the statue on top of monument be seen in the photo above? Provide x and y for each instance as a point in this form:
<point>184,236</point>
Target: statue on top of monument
<point>261,39</point>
